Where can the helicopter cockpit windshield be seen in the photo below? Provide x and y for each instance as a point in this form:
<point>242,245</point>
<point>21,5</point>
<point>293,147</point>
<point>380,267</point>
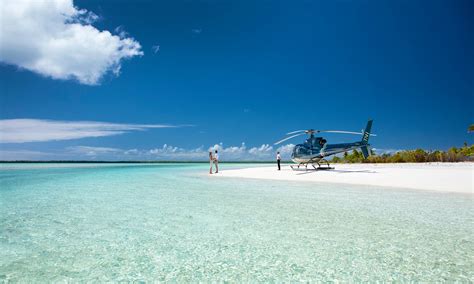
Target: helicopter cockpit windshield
<point>300,150</point>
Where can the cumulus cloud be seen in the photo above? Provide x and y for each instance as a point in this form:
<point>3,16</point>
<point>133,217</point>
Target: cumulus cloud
<point>39,130</point>
<point>93,151</point>
<point>379,151</point>
<point>264,152</point>
<point>286,150</point>
<point>166,152</point>
<point>56,39</point>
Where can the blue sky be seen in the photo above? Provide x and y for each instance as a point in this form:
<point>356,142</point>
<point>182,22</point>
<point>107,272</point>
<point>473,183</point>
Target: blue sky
<point>231,72</point>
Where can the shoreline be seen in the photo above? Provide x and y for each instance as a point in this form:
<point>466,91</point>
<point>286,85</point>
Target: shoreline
<point>441,177</point>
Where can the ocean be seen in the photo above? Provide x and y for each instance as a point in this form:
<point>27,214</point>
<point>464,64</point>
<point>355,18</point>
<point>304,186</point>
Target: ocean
<point>174,222</point>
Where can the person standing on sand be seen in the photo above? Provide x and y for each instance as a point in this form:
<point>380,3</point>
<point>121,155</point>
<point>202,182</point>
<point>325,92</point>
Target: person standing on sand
<point>216,161</point>
<point>211,161</point>
<point>278,160</point>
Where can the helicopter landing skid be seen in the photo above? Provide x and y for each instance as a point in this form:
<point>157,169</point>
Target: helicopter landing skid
<point>320,167</point>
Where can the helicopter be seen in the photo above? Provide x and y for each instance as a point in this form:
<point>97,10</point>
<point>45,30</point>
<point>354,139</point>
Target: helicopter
<point>315,149</point>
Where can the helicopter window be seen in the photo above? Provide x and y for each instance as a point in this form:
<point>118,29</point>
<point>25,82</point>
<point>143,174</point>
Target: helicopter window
<point>300,150</point>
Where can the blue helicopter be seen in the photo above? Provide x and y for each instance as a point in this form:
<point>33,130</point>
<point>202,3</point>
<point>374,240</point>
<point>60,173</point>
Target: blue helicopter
<point>315,149</point>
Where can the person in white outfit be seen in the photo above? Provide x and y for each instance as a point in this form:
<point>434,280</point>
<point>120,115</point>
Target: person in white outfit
<point>211,161</point>
<point>216,161</point>
<point>278,160</point>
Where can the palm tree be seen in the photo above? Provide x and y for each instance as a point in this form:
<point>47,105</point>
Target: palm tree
<point>471,128</point>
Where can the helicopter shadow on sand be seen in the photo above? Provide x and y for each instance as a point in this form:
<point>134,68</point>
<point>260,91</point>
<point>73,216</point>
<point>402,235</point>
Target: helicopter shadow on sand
<point>308,171</point>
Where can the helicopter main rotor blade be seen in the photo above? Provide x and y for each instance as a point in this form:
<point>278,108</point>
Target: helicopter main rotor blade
<point>328,131</point>
<point>341,131</point>
<point>293,132</point>
<point>346,132</point>
<point>287,138</point>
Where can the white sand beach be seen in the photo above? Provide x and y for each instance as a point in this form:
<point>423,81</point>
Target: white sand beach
<point>446,177</point>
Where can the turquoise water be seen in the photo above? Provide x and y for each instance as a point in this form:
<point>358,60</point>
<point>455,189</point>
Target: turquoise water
<point>112,222</point>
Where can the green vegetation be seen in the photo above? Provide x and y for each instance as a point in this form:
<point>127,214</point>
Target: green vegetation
<point>465,153</point>
<point>471,128</point>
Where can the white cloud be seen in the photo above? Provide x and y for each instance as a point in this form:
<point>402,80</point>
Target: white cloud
<point>56,39</point>
<point>386,151</point>
<point>286,150</point>
<point>264,152</point>
<point>38,130</point>
<point>93,151</point>
<point>18,155</point>
<point>166,152</point>
<point>264,149</point>
<point>120,31</point>
<point>131,152</point>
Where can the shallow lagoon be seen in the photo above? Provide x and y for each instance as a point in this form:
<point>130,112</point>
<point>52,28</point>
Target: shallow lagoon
<point>173,222</point>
